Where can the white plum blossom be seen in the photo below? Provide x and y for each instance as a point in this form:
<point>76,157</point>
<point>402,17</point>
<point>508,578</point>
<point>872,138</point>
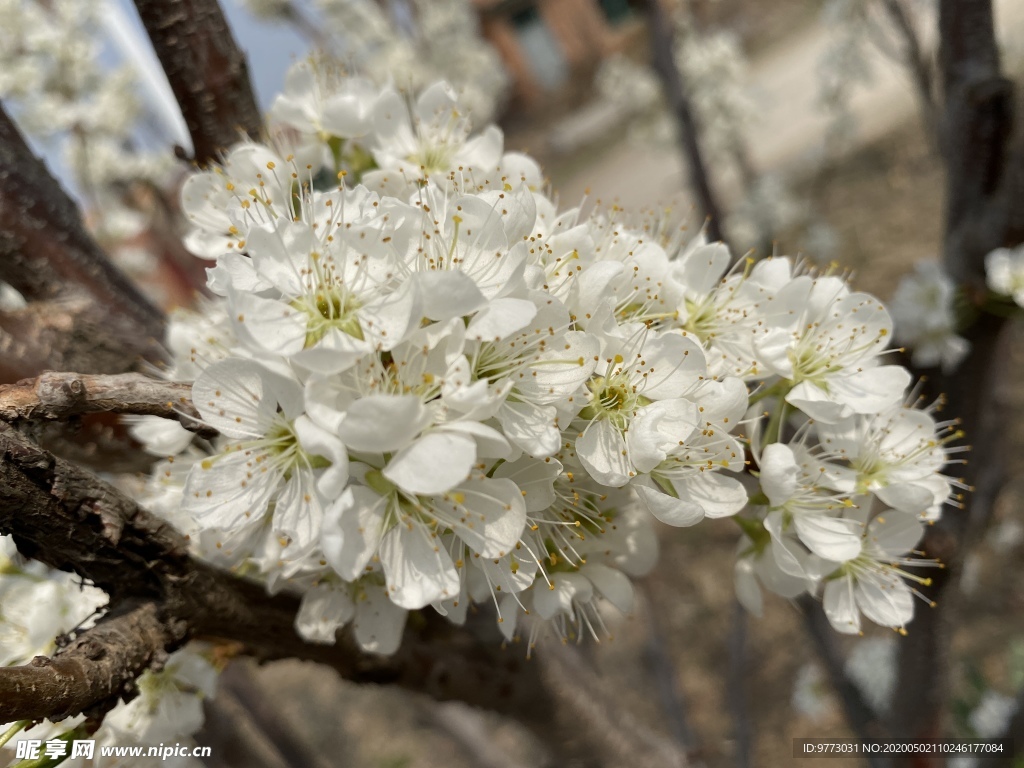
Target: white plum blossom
<point>898,455</point>
<point>169,704</point>
<point>875,582</point>
<point>826,341</point>
<point>924,318</point>
<point>1004,272</point>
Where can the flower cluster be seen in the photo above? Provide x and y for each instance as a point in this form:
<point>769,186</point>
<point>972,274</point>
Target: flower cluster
<point>433,388</point>
<point>40,605</point>
<point>409,45</point>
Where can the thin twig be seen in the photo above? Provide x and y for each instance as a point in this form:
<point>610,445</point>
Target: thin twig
<point>467,728</point>
<point>54,396</point>
<point>736,686</point>
<point>615,734</point>
<point>663,672</point>
<point>983,149</point>
<point>917,63</point>
<point>267,717</point>
<point>99,666</point>
<point>662,48</point>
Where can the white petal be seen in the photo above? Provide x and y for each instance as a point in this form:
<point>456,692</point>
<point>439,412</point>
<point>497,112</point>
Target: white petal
<point>779,473</point>
<point>602,450</point>
<point>159,436</point>
<point>490,443</point>
<point>717,494</point>
<point>561,371</point>
<point>907,497</point>
<point>317,441</point>
<point>383,423</point>
<point>352,530</point>
<point>268,324</point>
<point>298,512</point>
<point>323,610</point>
<point>747,590</point>
<point>334,352</point>
<point>417,568</point>
<point>534,478</point>
<point>817,403</point>
<point>612,585</point>
<point>871,390</point>
<point>231,398</point>
<point>500,319</point>
<point>448,294</point>
<point>672,366</point>
<point>885,599</point>
<point>488,514</point>
<point>379,623</point>
<point>841,606</point>
<point>657,429</point>
<point>435,463</point>
<point>533,428</point>
<point>559,597</point>
<point>832,538</point>
<point>895,533</point>
<point>387,321</point>
<point>788,554</point>
<point>220,494</point>
<point>669,509</point>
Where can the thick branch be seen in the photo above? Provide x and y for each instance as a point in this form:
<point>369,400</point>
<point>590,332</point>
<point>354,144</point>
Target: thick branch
<point>59,396</point>
<point>47,254</point>
<point>207,72</point>
<point>97,667</point>
<point>70,520</point>
<point>664,63</point>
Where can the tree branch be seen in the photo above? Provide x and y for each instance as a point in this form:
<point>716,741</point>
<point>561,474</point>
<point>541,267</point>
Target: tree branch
<point>736,688</point>
<point>59,396</point>
<point>664,63</point>
<point>97,668</point>
<point>73,521</point>
<point>207,72</point>
<point>93,316</point>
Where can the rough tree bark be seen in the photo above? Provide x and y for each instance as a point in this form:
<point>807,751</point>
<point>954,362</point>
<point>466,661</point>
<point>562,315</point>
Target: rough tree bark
<point>87,316</point>
<point>207,72</point>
